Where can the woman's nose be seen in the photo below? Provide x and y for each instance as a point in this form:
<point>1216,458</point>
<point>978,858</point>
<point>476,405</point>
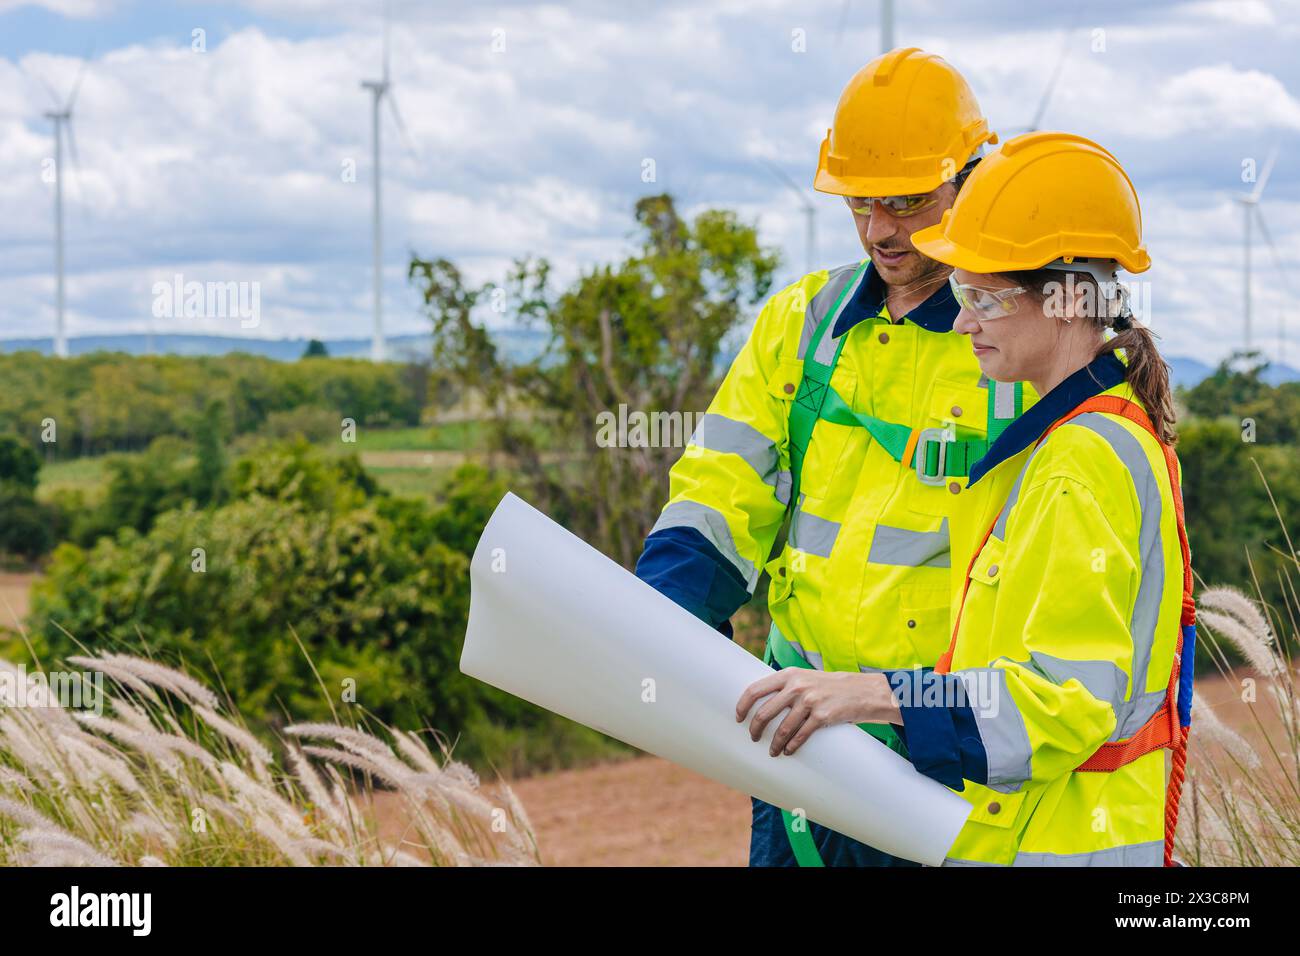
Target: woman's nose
<point>965,323</point>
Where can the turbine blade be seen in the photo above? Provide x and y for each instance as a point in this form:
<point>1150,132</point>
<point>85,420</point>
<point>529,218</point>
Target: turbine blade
<point>387,24</point>
<point>839,27</point>
<point>1263,178</point>
<point>81,75</point>
<point>401,125</point>
<point>1051,82</point>
<point>54,97</point>
<point>1272,246</point>
<point>782,175</point>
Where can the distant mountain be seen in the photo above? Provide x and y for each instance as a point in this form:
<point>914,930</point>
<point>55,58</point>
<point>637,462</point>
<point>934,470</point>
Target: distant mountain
<point>516,344</point>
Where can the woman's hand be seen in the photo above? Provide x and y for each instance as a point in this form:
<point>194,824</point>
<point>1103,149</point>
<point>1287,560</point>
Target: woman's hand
<point>815,699</point>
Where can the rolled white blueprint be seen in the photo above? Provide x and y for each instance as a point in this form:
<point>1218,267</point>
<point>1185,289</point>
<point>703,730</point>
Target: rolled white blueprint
<point>554,621</point>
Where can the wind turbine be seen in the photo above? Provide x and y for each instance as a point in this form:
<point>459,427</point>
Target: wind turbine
<point>62,119</point>
<point>886,24</point>
<point>380,90</point>
<point>1251,213</point>
<point>1037,123</point>
<point>810,215</point>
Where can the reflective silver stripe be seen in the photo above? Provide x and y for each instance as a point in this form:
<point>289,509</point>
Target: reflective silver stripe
<point>1134,854</point>
<point>782,484</point>
<point>1135,712</point>
<point>1151,584</point>
<point>1004,399</point>
<point>1001,727</point>
<point>910,549</point>
<point>821,304</point>
<point>731,437</point>
<point>826,347</point>
<point>811,534</point>
<point>1000,525</point>
<point>710,523</point>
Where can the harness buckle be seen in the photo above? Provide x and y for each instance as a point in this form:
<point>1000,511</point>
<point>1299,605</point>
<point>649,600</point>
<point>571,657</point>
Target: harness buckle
<point>943,438</point>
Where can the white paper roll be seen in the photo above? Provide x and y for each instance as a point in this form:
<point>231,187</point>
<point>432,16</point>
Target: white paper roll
<point>552,620</point>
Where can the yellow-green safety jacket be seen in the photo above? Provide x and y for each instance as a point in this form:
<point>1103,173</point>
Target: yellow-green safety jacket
<point>1066,640</point>
<point>864,581</point>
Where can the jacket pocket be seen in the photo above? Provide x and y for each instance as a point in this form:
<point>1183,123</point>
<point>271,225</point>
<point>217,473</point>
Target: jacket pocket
<point>997,809</point>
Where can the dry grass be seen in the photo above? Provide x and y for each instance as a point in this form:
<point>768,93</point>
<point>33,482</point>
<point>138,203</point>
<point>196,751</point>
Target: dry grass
<point>1241,802</point>
<point>165,776</point>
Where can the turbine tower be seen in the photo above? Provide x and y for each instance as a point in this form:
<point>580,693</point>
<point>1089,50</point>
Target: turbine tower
<point>62,119</point>
<point>380,90</point>
<point>1251,213</point>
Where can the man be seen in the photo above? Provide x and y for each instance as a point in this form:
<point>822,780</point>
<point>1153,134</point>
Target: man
<point>856,410</point>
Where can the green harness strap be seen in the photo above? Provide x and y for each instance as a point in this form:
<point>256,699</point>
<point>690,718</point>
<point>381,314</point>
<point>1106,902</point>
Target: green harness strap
<point>801,840</point>
<point>937,455</point>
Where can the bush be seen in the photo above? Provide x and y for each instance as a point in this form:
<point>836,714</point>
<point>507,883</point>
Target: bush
<point>375,591</point>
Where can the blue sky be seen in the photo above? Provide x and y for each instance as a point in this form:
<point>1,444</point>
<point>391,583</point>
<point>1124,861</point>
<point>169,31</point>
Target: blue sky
<point>227,164</point>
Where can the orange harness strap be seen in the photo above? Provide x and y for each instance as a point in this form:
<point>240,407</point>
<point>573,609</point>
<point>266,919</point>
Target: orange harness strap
<point>1164,728</point>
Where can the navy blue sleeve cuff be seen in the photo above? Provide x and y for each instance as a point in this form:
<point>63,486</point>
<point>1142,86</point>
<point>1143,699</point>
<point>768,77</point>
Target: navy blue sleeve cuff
<point>685,567</point>
<point>939,727</point>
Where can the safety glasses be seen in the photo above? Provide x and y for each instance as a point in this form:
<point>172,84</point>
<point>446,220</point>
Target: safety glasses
<point>986,304</point>
<point>899,206</point>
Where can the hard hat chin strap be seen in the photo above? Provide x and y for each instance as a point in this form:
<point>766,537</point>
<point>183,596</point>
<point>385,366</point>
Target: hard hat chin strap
<point>1105,273</point>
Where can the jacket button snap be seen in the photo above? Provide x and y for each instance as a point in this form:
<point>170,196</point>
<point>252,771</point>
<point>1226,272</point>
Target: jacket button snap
<point>955,487</point>
<point>911,623</point>
<point>995,807</point>
<point>993,570</point>
<point>884,337</point>
<point>789,388</point>
<point>956,411</point>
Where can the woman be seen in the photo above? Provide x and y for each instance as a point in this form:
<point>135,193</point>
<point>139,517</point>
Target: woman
<point>1052,706</point>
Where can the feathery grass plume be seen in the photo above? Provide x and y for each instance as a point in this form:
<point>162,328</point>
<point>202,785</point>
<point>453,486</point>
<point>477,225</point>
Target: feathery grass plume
<point>1253,644</point>
<point>134,784</point>
<point>1208,723</point>
<point>1244,804</point>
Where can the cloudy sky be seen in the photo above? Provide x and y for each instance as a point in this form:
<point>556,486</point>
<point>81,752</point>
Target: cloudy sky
<point>223,155</point>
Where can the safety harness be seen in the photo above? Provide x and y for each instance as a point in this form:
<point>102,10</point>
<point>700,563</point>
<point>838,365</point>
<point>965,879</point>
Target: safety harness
<point>934,453</point>
<point>1170,726</point>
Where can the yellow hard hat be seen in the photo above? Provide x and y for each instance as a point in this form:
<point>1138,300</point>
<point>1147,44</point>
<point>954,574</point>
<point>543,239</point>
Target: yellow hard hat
<point>1040,198</point>
<point>906,123</point>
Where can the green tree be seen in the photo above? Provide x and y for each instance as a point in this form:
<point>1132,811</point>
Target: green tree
<point>209,485</point>
<point>19,463</point>
<point>645,334</point>
<point>316,349</point>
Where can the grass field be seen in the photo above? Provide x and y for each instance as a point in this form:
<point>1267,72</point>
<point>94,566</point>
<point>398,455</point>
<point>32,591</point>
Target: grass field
<point>411,462</point>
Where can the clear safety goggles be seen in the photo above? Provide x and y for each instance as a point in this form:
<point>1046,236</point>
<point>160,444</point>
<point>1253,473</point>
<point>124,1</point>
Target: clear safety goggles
<point>985,304</point>
<point>898,206</point>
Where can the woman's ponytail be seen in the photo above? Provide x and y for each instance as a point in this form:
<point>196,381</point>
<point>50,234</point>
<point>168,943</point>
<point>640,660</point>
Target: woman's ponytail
<point>1148,373</point>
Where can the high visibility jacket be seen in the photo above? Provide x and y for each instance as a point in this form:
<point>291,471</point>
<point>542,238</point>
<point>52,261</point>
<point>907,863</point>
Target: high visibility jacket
<point>864,581</point>
<point>1066,640</point>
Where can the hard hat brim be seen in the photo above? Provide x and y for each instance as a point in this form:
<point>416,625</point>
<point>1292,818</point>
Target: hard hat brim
<point>824,182</point>
<point>933,244</point>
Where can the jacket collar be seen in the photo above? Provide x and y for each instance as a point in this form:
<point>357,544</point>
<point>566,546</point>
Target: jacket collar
<point>1102,373</point>
<point>935,314</point>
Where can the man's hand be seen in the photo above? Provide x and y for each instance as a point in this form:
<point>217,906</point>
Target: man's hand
<point>815,699</point>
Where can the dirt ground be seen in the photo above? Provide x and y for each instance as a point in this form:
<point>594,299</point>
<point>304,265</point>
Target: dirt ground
<point>13,596</point>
